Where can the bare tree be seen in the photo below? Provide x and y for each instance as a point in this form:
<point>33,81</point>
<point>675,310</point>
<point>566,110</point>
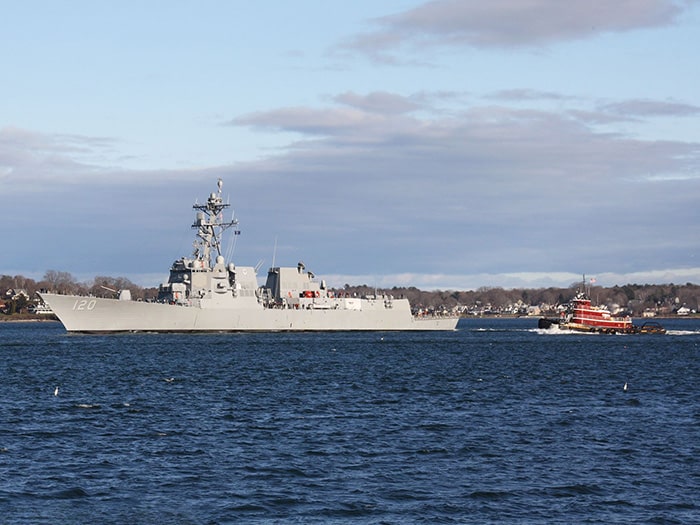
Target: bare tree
<point>61,282</point>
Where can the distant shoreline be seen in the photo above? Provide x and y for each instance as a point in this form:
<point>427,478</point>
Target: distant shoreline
<point>28,318</point>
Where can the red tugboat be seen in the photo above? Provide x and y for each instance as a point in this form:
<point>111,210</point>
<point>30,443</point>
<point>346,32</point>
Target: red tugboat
<point>581,316</point>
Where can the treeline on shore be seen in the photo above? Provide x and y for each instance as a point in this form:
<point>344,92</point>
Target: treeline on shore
<point>18,295</point>
<point>630,299</point>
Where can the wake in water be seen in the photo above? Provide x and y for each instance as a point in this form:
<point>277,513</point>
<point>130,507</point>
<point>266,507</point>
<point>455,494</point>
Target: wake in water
<point>682,332</point>
<point>555,330</point>
<point>559,331</point>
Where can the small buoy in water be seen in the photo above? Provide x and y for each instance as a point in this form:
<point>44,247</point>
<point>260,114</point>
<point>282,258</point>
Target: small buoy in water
<point>55,392</point>
<point>624,388</point>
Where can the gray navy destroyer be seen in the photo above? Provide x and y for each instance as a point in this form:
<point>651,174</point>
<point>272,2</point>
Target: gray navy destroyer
<point>204,293</point>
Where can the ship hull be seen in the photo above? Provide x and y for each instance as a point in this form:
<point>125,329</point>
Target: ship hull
<point>102,315</point>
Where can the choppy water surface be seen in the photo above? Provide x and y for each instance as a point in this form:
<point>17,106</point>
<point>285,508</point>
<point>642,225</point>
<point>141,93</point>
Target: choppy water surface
<point>494,423</point>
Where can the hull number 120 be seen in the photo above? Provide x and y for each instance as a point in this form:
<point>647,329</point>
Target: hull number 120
<point>84,304</point>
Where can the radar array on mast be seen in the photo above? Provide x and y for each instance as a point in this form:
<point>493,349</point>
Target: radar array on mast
<point>210,226</point>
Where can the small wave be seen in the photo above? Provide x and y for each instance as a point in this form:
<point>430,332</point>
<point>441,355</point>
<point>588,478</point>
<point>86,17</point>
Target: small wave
<point>618,503</point>
<point>432,451</point>
<point>71,493</point>
<point>570,491</point>
<point>490,494</point>
<point>349,510</point>
<point>247,507</point>
<point>87,406</point>
<point>435,427</point>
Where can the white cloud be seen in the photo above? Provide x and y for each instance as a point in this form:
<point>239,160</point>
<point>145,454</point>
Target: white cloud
<point>651,108</point>
<point>510,23</point>
<point>379,102</point>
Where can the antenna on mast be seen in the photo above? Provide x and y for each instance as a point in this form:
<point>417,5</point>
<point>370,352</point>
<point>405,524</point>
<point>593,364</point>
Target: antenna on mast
<point>233,239</point>
<point>274,252</point>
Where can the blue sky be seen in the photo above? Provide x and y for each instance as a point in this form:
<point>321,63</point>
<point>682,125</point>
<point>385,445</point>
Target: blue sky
<point>450,144</point>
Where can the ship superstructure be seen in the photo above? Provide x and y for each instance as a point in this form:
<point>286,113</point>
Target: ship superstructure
<point>583,316</point>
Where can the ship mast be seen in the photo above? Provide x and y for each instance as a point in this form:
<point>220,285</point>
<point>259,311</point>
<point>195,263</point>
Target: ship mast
<point>210,226</point>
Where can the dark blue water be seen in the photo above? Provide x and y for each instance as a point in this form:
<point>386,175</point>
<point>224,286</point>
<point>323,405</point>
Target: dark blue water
<point>495,423</point>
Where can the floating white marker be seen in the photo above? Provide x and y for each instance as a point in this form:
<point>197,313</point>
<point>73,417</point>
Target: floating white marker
<point>55,392</point>
<point>624,388</point>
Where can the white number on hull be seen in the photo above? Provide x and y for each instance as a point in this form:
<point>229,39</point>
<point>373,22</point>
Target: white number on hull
<point>84,304</point>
